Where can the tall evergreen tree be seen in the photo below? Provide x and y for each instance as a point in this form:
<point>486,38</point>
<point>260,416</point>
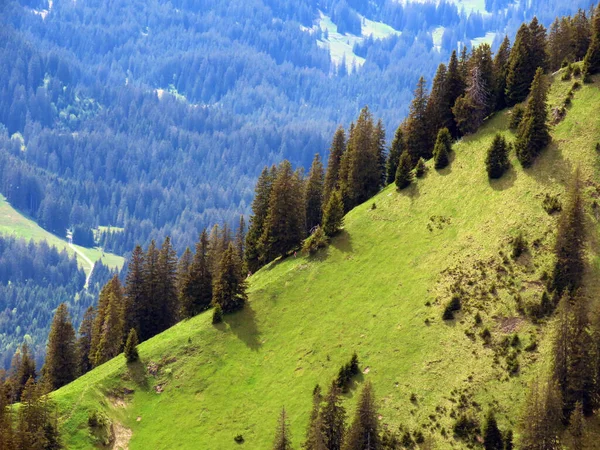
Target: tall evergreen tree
<point>131,351</point>
<point>313,195</point>
<point>577,428</point>
<point>404,174</point>
<point>260,208</point>
<point>148,310</point>
<point>492,437</point>
<point>284,225</point>
<point>393,160</point>
<point>443,147</point>
<point>333,419</point>
<point>183,267</point>
<point>7,437</point>
<point>591,62</point>
<point>111,338</point>
<point>333,215</point>
<point>501,65</point>
<point>364,431</point>
<point>520,74</point>
<point>581,32</point>
<point>471,109</point>
<point>541,422</point>
<point>439,112</point>
<point>229,291</point>
<point>380,154</point>
<point>283,439</point>
<point>36,428</point>
<point>455,88</point>
<point>314,438</point>
<point>418,127</point>
<point>570,241</point>
<point>166,293</point>
<point>135,290</point>
<point>533,134</point>
<point>61,357</point>
<point>336,151</point>
<point>538,54</point>
<point>240,239</point>
<point>84,341</point>
<point>497,161</point>
<point>560,47</point>
<point>22,368</point>
<point>196,294</point>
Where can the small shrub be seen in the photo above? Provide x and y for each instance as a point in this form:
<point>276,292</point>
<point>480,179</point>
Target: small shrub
<point>374,206</point>
<point>315,241</point>
<point>515,341</point>
<point>131,351</point>
<point>420,168</point>
<point>551,204</point>
<point>217,315</point>
<point>100,428</point>
<point>486,335</point>
<point>512,363</point>
<point>465,427</point>
<point>598,147</point>
<point>519,245</point>
<point>478,319</point>
<point>239,439</point>
<point>516,117</point>
<point>576,86</point>
<point>567,73</point>
<point>577,71</point>
<point>532,346</point>
<point>452,306</point>
<point>407,440</point>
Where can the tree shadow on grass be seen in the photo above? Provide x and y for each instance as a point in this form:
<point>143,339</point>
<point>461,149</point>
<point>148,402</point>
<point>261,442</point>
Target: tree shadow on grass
<point>243,325</point>
<point>448,169</point>
<point>550,167</point>
<point>137,372</point>
<point>506,181</point>
<point>343,242</point>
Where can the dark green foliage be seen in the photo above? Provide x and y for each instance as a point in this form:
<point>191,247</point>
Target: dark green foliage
<point>551,204</point>
<point>196,289</point>
<point>492,437</point>
<point>313,194</point>
<point>453,306</point>
<point>418,128</point>
<point>317,240</point>
<point>577,427</point>
<point>396,150</point>
<point>438,110</point>
<point>508,440</point>
<point>442,149</point>
<point>314,438</point>
<point>134,290</point>
<point>131,351</point>
<point>465,427</point>
<point>570,240</point>
<point>420,168</point>
<point>239,439</point>
<point>108,326</point>
<point>516,117</point>
<point>332,419</point>
<point>229,291</point>
<point>260,209</point>
<point>217,315</point>
<point>518,245</point>
<point>404,174</point>
<point>541,424</point>
<point>497,162</point>
<point>22,369</point>
<point>364,431</point>
<point>283,439</point>
<point>61,357</point>
<point>36,421</point>
<point>501,65</point>
<point>455,87</point>
<point>591,62</point>
<point>333,215</point>
<point>336,151</point>
<point>533,134</point>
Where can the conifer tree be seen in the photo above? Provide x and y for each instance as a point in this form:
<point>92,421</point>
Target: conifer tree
<point>131,351</point>
<point>404,173</point>
<point>111,338</point>
<point>396,150</point>
<point>314,438</point>
<point>229,291</point>
<point>576,428</point>
<point>520,74</point>
<point>492,437</point>
<point>22,368</point>
<point>570,240</point>
<point>84,341</point>
<point>283,439</point>
<point>260,208</point>
<point>501,65</point>
<point>482,62</point>
<point>581,33</point>
<point>420,168</point>
<point>216,247</point>
<point>559,43</point>
<point>538,54</point>
<point>541,422</point>
<point>380,153</point>
<point>183,267</point>
<point>418,127</point>
<point>333,419</point>
<point>333,216</point>
<point>7,437</point>
<point>471,109</point>
<point>61,357</point>
<point>533,135</point>
<point>443,147</point>
<point>240,239</point>
<point>561,345</point>
<point>313,195</point>
<point>135,292</point>
<point>591,62</point>
<point>284,225</point>
<point>36,427</point>
<point>196,294</point>
<point>581,360</point>
<point>166,294</point>
<point>336,151</point>
<point>364,431</point>
<point>148,310</point>
<point>497,161</point>
<point>439,113</point>
<point>455,88</point>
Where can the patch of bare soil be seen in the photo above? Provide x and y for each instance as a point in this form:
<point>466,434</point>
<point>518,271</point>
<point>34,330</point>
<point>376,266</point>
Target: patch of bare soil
<point>122,436</point>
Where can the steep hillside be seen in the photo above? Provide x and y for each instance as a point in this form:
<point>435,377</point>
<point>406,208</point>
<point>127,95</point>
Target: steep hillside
<point>380,290</point>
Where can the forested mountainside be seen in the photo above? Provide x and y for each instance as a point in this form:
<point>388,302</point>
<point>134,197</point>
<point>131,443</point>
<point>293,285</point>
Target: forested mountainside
<point>158,116</point>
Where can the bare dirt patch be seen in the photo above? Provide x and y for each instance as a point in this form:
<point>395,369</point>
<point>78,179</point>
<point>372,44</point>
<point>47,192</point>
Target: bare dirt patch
<point>122,437</point>
<point>509,324</point>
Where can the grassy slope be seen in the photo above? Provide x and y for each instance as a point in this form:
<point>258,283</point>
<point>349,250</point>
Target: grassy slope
<point>367,293</point>
<point>16,224</point>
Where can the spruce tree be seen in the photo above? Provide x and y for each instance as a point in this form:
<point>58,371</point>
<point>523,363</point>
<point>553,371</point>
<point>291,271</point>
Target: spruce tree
<point>135,294</point>
<point>559,43</point>
<point>533,134</point>
<point>492,437</point>
<point>364,431</point>
<point>84,342</point>
<point>538,54</point>
<point>378,177</point>
<point>497,162</point>
<point>112,331</point>
<point>36,427</point>
<point>229,291</point>
<point>283,439</point>
<point>520,74</point>
<point>439,112</point>
<point>183,267</point>
<point>420,168</point>
<point>196,294</point>
<point>577,428</point>
<point>61,353</point>
<point>404,173</point>
<point>418,127</point>
<point>501,65</point>
<point>148,310</point>
<point>22,368</point>
<point>396,150</point>
<point>443,147</point>
<point>333,216</point>
<point>333,419</point>
<point>167,294</point>
<point>581,35</point>
<point>336,151</point>
<point>591,62</point>
<point>455,88</point>
<point>313,195</point>
<point>541,423</point>
<point>7,437</point>
<point>284,226</point>
<point>260,207</point>
<point>240,240</point>
<point>471,109</point>
<point>570,241</point>
<point>131,351</point>
<point>314,438</point>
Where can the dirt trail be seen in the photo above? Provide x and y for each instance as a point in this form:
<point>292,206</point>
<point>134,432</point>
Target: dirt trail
<point>87,260</point>
<point>122,437</point>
